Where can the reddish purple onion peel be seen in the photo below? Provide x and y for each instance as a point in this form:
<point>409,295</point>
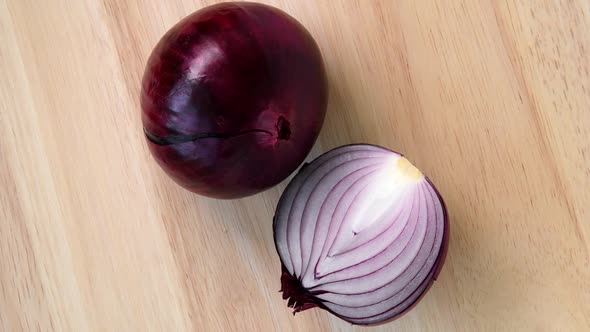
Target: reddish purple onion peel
<point>233,98</point>
<point>361,233</point>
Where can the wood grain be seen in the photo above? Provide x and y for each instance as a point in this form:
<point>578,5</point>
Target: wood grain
<point>489,98</point>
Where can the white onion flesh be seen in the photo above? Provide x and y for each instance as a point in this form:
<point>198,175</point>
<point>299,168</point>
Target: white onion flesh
<point>362,231</point>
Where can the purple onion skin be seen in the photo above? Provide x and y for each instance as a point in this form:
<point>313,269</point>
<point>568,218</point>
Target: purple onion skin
<point>300,299</point>
<point>233,98</point>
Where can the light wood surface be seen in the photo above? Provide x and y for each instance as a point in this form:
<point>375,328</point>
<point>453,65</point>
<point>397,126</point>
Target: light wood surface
<point>491,99</point>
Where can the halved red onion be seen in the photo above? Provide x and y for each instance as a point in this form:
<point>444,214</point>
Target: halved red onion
<point>361,233</point>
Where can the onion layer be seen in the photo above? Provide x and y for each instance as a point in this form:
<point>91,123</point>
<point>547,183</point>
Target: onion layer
<point>361,233</point>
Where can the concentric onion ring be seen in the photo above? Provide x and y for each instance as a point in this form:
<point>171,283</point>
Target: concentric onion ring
<point>361,233</point>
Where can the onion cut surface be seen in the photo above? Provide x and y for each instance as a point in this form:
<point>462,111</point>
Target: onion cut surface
<point>361,232</point>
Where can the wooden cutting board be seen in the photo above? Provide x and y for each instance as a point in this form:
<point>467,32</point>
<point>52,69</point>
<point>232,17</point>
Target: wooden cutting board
<point>491,99</point>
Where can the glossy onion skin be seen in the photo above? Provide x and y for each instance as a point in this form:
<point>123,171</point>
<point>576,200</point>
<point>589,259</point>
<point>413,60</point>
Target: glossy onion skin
<point>233,98</point>
<point>360,236</point>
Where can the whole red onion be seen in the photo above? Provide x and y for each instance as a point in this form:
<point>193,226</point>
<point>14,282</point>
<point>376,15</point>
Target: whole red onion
<point>233,98</point>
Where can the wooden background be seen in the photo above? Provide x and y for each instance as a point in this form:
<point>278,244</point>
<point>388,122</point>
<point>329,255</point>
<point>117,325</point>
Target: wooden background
<point>489,98</point>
